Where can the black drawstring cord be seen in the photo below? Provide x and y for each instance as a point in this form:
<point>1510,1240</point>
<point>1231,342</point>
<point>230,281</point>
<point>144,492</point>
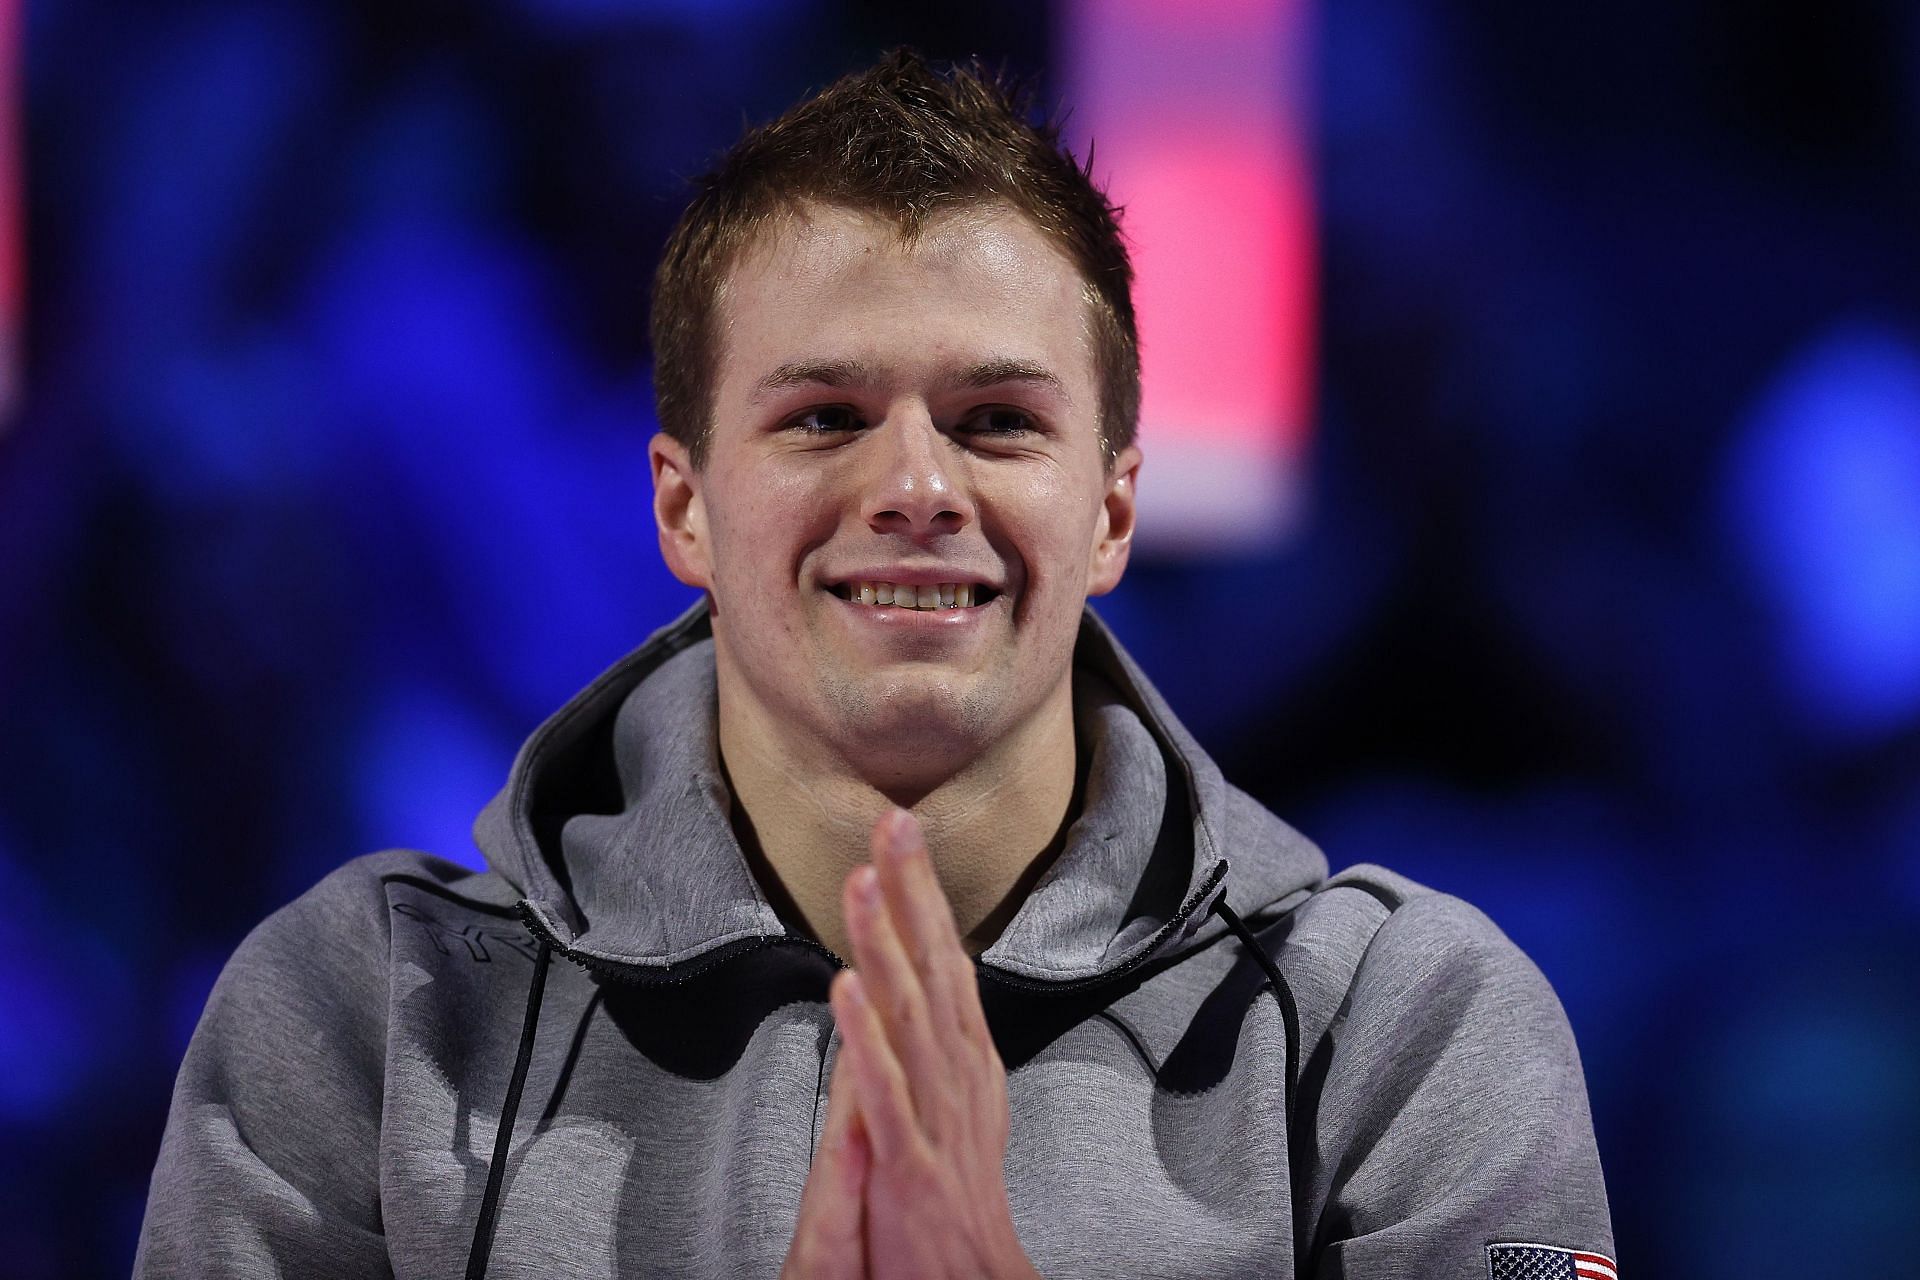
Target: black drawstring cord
<point>1289,1013</point>
<point>502,1140</point>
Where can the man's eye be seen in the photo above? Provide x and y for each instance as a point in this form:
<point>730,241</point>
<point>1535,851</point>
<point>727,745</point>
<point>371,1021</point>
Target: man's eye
<point>999,421</point>
<point>826,419</point>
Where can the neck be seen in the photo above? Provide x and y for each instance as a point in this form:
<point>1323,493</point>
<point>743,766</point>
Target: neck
<point>993,822</point>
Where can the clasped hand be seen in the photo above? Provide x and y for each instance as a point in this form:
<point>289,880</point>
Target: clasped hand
<point>908,1180</point>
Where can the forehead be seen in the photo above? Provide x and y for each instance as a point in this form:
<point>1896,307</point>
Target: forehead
<point>830,283</point>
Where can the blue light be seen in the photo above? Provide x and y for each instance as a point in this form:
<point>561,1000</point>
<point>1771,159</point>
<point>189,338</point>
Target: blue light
<point>426,765</point>
<point>1823,505</point>
<point>64,997</point>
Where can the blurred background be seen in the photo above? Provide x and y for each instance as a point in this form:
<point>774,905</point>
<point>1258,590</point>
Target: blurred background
<point>1533,492</point>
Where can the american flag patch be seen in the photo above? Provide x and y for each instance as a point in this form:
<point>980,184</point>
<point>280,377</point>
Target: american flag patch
<point>1545,1262</point>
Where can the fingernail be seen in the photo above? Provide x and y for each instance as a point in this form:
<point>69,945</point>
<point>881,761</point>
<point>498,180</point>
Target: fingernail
<point>853,992</point>
<point>903,835</point>
<point>866,885</point>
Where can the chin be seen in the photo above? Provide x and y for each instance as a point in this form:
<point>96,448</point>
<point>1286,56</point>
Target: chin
<point>918,718</point>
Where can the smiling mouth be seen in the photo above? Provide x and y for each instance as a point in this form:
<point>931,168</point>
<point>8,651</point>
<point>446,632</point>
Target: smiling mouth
<point>888,595</point>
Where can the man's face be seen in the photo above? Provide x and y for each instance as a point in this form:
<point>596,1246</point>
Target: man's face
<point>906,420</point>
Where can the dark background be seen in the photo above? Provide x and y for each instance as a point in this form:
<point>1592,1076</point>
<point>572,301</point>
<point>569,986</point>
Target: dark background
<point>328,482</point>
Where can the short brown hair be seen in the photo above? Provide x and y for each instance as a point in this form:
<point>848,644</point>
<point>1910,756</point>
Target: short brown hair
<point>906,142</point>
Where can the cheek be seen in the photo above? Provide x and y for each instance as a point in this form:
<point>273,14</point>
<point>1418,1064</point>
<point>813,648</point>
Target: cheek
<point>770,515</point>
<point>1060,515</point>
<point>1046,521</point>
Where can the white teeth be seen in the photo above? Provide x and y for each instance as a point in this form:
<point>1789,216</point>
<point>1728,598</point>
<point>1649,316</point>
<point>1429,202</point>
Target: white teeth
<point>944,595</point>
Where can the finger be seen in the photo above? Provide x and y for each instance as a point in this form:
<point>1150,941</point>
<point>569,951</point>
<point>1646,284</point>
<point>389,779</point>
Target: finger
<point>925,918</point>
<point>885,1102</point>
<point>843,1112</point>
<point>912,890</point>
<point>893,988</point>
<point>829,1238</point>
<point>849,1157</point>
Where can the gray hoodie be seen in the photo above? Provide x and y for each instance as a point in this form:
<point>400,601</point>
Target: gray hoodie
<point>608,1056</point>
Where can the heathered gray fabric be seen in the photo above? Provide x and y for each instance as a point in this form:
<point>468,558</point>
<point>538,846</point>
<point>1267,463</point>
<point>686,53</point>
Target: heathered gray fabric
<point>338,1104</point>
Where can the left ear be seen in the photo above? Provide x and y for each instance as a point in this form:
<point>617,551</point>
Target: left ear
<point>1113,537</point>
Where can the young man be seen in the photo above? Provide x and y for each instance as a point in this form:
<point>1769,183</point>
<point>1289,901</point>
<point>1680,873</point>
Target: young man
<point>898,380</point>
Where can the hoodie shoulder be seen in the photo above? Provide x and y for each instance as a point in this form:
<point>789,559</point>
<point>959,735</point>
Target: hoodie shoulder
<point>247,1184</point>
<point>319,965</point>
<point>1447,1090</point>
<point>393,870</point>
<point>352,907</point>
<point>1368,921</point>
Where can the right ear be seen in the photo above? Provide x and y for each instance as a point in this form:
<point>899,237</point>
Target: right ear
<point>679,512</point>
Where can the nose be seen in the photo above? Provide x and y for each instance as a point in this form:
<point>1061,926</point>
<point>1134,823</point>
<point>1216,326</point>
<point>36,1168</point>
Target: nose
<point>916,487</point>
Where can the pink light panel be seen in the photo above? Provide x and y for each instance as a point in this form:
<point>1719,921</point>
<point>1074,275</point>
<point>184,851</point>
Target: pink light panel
<point>12,256</point>
<point>1196,110</point>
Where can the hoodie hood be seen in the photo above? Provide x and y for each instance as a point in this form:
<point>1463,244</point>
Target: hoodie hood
<point>614,828</point>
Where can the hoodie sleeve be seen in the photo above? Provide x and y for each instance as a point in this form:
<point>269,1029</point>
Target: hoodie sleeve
<point>270,1161</point>
<point>1450,1113</point>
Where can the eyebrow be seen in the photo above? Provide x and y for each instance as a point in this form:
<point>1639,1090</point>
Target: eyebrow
<point>992,373</point>
<point>821,373</point>
<point>847,373</point>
